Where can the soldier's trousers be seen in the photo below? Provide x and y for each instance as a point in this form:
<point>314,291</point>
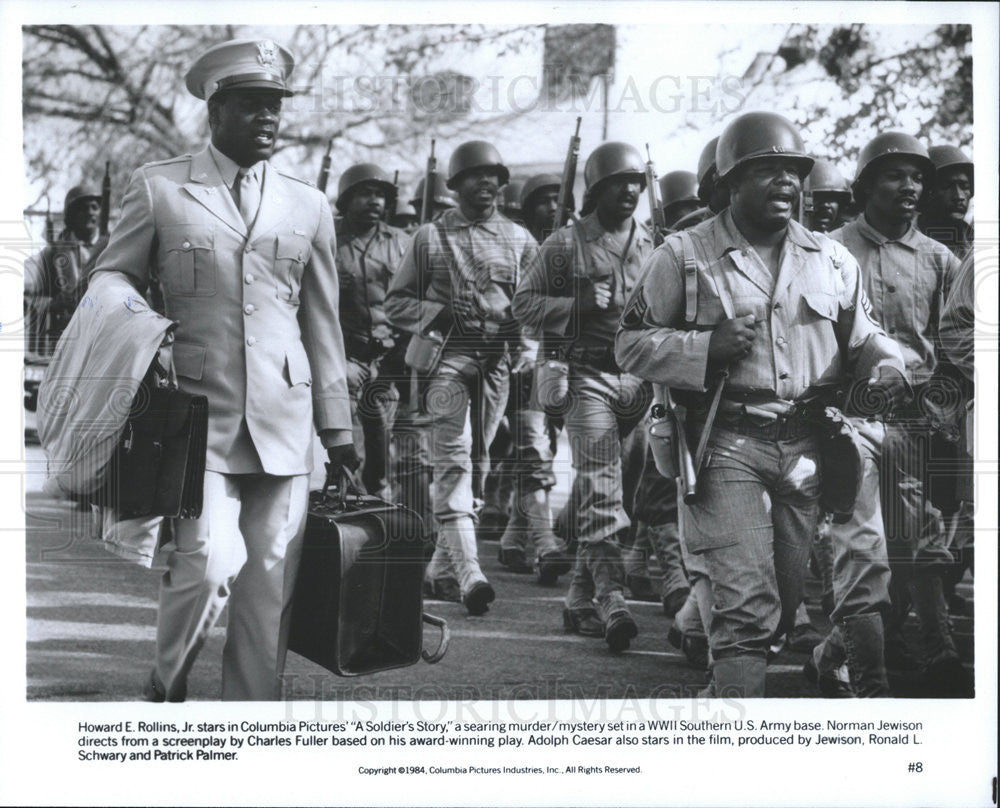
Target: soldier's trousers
<point>373,407</point>
<point>753,521</point>
<point>465,401</point>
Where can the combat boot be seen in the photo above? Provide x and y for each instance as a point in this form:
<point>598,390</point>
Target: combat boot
<point>513,541</point>
<point>459,536</point>
<point>666,543</point>
<point>739,677</point>
<point>865,642</point>
<point>635,560</point>
<point>603,560</point>
<point>440,579</point>
<point>550,552</point>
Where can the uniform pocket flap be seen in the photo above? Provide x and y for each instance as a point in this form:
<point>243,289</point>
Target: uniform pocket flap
<point>187,237</point>
<point>297,364</point>
<point>292,248</point>
<point>189,360</point>
<point>823,303</point>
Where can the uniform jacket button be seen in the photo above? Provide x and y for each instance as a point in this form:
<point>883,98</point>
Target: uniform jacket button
<point>248,277</point>
<point>249,308</point>
<point>251,341</point>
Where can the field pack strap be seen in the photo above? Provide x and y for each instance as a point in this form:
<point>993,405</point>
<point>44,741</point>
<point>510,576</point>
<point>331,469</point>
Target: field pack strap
<point>690,278</point>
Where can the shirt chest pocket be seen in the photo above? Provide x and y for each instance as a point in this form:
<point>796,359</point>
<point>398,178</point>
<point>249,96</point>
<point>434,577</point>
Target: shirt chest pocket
<point>819,305</point>
<point>187,261</point>
<point>291,254</point>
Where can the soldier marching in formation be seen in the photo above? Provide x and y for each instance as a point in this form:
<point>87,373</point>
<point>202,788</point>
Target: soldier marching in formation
<point>745,337</point>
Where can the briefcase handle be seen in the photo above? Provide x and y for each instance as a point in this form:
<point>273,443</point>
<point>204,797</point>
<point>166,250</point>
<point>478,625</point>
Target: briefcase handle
<point>346,482</point>
<point>442,648</point>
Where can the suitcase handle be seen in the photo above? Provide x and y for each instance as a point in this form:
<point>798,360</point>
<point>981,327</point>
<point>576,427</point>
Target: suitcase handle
<point>348,483</point>
<point>442,648</point>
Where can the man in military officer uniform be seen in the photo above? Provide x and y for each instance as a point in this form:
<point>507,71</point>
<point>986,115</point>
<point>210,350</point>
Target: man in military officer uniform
<point>55,280</point>
<point>754,302</point>
<point>368,252</point>
<point>907,276</point>
<point>827,195</point>
<point>572,297</point>
<point>244,256</point>
<point>948,200</point>
<point>457,279</point>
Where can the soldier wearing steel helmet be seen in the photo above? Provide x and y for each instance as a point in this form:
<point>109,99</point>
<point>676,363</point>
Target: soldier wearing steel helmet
<point>947,204</point>
<point>443,199</point>
<point>572,297</point>
<point>55,280</point>
<point>754,307</point>
<point>368,252</point>
<point>712,194</point>
<point>678,195</point>
<point>457,280</point>
<point>907,276</point>
<point>827,195</point>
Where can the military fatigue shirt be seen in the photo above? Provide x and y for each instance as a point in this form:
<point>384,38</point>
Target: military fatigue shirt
<point>813,327</point>
<point>907,281</point>
<point>475,264</point>
<point>547,299</point>
<point>365,268</point>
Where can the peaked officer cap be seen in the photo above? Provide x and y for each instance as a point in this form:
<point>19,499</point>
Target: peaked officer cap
<point>241,64</point>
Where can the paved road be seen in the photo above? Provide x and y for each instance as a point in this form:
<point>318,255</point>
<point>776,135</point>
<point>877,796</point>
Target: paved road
<point>91,623</point>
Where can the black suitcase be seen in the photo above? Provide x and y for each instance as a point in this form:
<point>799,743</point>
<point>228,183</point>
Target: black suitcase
<point>358,601</point>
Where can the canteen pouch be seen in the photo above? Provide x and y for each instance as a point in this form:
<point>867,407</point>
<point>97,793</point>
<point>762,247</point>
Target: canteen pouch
<point>663,444</point>
<point>424,352</point>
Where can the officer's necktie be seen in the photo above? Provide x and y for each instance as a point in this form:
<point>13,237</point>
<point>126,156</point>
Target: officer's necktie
<point>246,193</point>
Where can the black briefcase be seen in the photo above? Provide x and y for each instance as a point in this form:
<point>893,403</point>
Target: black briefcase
<point>158,467</point>
<point>358,602</point>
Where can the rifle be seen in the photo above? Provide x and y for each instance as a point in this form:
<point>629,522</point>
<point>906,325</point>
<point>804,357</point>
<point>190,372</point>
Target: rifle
<point>655,208</point>
<point>50,227</point>
<point>106,198</point>
<point>568,177</point>
<point>430,179</point>
<point>391,214</point>
<point>324,169</point>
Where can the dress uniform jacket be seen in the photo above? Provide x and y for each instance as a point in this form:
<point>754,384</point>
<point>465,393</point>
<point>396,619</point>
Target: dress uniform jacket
<point>256,311</point>
<point>813,321</point>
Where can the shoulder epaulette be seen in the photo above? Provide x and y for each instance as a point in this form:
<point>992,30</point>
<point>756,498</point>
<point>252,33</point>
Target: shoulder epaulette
<point>297,179</point>
<point>169,161</point>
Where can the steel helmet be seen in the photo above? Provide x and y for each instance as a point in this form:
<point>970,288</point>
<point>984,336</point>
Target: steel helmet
<point>757,135</point>
<point>78,193</point>
<point>678,186</point>
<point>359,173</point>
<point>825,178</point>
<point>442,196</point>
<point>612,159</point>
<point>510,198</point>
<point>951,157</point>
<point>890,144</point>
<point>475,154</point>
<point>706,161</point>
<point>539,182</point>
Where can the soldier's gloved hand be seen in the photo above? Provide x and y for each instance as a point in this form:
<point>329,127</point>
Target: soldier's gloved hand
<point>343,456</point>
<point>464,306</point>
<point>732,340</point>
<point>595,296</point>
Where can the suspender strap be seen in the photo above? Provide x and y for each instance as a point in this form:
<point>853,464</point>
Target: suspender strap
<point>690,278</point>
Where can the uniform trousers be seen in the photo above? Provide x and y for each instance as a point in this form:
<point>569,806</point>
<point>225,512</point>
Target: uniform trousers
<point>753,521</point>
<point>244,549</point>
